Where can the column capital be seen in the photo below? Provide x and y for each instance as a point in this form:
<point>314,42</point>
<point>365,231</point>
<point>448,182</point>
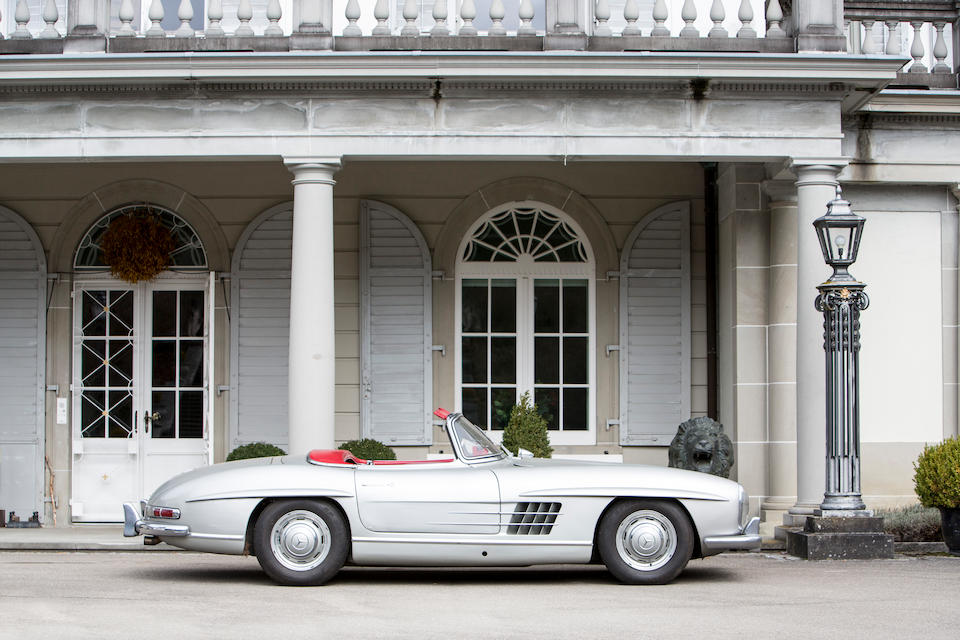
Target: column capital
<point>312,169</point>
<point>782,191</point>
<point>818,171</point>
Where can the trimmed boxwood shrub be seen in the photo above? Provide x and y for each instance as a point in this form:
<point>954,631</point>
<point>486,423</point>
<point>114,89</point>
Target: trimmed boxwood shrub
<point>255,450</point>
<point>369,449</point>
<point>527,429</point>
<point>936,475</point>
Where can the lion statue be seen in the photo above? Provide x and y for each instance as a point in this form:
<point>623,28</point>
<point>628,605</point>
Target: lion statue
<point>701,445</point>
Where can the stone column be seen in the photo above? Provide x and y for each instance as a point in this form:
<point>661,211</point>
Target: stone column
<point>88,22</point>
<point>565,29</point>
<point>816,186</point>
<point>312,365</point>
<point>819,25</point>
<point>782,349</point>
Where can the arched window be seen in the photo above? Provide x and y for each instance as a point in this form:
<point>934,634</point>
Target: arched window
<point>188,253</point>
<point>525,320</point>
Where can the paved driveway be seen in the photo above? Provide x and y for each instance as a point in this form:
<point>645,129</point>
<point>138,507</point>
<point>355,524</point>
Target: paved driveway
<point>186,595</point>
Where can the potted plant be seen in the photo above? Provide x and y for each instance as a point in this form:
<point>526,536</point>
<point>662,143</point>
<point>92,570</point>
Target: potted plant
<point>527,430</point>
<point>937,482</point>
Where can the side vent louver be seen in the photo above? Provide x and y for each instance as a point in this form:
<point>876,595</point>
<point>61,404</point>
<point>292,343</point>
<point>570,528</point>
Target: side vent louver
<point>533,518</point>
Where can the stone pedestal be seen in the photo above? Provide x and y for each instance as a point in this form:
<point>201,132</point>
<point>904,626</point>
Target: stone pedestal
<point>858,537</point>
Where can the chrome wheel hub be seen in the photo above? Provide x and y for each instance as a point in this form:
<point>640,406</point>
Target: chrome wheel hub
<point>300,540</point>
<point>646,540</point>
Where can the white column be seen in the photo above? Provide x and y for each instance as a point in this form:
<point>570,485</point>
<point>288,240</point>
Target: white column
<point>782,348</point>
<point>312,364</point>
<point>816,186</point>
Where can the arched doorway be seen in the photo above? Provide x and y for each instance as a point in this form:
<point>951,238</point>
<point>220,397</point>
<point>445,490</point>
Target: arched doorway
<point>525,317</point>
<point>141,371</point>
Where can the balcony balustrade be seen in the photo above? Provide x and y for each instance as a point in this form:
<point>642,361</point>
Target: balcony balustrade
<point>921,30</point>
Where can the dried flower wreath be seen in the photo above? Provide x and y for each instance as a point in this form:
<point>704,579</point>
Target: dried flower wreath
<point>137,246</point>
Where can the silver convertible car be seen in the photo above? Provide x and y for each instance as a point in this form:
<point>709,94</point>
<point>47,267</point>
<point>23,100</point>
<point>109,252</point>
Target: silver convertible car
<point>304,517</point>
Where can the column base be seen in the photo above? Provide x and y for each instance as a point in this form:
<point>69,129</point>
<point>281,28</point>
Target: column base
<point>858,537</point>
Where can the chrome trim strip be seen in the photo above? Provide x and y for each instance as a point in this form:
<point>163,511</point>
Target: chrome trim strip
<point>216,536</point>
<point>616,492</point>
<point>491,541</point>
<point>163,530</point>
<point>257,494</point>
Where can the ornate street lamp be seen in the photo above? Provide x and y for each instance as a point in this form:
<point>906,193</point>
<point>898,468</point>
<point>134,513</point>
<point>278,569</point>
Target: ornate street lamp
<point>841,300</point>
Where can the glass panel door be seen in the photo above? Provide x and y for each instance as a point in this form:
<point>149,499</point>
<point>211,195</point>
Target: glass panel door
<point>139,392</point>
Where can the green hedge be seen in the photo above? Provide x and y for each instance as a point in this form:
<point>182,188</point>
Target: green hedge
<point>255,450</point>
<point>369,449</point>
<point>936,476</point>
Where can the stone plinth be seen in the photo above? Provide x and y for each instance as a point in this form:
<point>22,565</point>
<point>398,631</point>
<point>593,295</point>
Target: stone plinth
<point>840,538</point>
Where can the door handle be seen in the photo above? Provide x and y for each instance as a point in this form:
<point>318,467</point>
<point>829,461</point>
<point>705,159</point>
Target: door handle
<point>148,418</point>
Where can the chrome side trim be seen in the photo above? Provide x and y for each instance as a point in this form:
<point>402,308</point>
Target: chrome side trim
<point>614,492</point>
<point>492,541</point>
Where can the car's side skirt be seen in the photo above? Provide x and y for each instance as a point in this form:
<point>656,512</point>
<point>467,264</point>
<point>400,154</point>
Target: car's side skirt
<point>436,552</point>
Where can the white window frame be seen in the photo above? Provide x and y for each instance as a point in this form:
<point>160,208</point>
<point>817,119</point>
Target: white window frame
<point>525,271</point>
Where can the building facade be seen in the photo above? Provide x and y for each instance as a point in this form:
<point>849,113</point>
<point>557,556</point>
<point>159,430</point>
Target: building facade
<point>378,209</point>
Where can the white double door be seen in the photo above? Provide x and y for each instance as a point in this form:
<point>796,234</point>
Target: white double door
<point>140,390</point>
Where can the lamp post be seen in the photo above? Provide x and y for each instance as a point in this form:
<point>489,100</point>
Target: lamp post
<point>841,300</point>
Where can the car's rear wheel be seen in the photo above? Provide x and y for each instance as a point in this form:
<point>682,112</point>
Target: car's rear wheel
<point>645,541</point>
<point>301,542</point>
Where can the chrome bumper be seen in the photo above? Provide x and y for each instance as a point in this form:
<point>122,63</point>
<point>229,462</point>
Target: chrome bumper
<point>134,525</point>
<point>749,538</point>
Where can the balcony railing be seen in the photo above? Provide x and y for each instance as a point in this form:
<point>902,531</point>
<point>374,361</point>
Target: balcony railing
<point>922,30</point>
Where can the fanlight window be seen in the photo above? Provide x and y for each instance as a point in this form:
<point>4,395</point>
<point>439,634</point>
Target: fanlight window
<point>188,253</point>
<point>525,231</point>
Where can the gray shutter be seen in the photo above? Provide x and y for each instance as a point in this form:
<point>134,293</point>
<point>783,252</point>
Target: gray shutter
<point>396,334</point>
<point>22,344</point>
<point>655,327</point>
<point>260,335</point>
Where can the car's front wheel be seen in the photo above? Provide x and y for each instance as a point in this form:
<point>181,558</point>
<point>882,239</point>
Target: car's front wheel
<point>301,542</point>
<point>645,541</point>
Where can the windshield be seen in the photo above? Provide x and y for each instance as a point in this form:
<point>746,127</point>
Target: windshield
<point>472,442</point>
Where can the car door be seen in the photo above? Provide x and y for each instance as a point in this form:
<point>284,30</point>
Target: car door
<point>447,497</point>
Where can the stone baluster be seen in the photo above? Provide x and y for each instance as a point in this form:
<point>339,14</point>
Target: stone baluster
<point>50,15</point>
<point>21,15</point>
<point>893,42</point>
<point>156,15</point>
<point>440,27</point>
<point>184,15</point>
<point>274,13</point>
<point>526,19</point>
<point>689,15</point>
<point>352,14</point>
<point>940,50</point>
<point>410,13</point>
<point>468,11</point>
<point>718,14</point>
<point>774,18</point>
<point>869,44</point>
<point>316,16</point>
<point>916,48</point>
<point>497,12</point>
<point>746,20</point>
<point>631,13</point>
<point>214,16</point>
<point>602,13</point>
<point>660,16</point>
<point>381,11</point>
<point>244,15</point>
<point>126,16</point>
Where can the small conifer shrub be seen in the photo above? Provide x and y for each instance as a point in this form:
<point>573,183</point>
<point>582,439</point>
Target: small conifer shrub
<point>255,450</point>
<point>527,429</point>
<point>369,449</point>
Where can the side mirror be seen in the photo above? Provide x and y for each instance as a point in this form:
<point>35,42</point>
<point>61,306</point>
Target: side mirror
<point>523,453</point>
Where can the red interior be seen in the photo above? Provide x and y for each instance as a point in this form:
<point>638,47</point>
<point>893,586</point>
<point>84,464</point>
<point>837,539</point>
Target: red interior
<point>342,456</point>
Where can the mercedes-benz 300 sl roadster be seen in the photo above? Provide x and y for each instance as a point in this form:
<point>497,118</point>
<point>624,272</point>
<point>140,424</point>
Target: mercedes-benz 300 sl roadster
<point>304,517</point>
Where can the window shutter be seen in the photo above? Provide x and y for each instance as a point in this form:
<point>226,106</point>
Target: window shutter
<point>655,327</point>
<point>22,348</point>
<point>396,332</point>
<point>260,336</point>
